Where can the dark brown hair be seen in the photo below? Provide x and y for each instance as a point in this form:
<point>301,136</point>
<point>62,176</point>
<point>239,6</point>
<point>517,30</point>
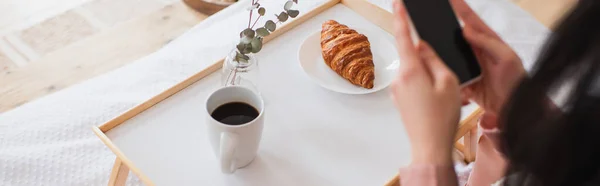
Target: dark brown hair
<point>558,145</point>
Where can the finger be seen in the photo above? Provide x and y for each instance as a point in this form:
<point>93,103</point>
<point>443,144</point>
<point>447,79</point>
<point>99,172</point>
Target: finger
<point>488,116</point>
<point>466,94</point>
<point>427,55</point>
<point>480,54</point>
<point>464,100</point>
<point>492,47</point>
<point>441,75</point>
<point>469,17</point>
<point>467,91</point>
<point>406,49</point>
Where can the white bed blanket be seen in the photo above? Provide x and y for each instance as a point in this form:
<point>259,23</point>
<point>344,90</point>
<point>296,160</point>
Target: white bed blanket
<point>49,141</point>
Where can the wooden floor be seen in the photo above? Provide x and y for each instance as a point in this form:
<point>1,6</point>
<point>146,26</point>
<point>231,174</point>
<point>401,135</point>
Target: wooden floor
<point>97,42</point>
<point>46,48</point>
<point>547,12</point>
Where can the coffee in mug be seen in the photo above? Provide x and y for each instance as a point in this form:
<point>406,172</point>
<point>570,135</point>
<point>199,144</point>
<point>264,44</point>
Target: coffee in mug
<point>235,113</point>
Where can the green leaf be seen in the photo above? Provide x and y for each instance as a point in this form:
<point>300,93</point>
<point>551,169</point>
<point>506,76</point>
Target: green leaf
<point>262,31</point>
<point>282,17</point>
<point>261,11</point>
<point>293,13</point>
<point>248,33</point>
<point>247,48</point>
<point>288,5</point>
<point>240,46</point>
<point>270,25</point>
<point>256,45</point>
<point>241,57</point>
<point>246,40</point>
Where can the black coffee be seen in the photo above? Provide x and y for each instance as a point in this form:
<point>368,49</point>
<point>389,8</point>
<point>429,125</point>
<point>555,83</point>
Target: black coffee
<point>235,113</point>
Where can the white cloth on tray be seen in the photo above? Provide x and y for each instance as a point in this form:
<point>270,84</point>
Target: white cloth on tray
<point>49,141</point>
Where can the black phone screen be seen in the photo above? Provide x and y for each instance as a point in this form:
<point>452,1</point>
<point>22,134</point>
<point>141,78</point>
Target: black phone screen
<point>436,23</point>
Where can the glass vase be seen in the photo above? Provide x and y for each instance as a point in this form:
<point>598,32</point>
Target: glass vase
<point>240,73</point>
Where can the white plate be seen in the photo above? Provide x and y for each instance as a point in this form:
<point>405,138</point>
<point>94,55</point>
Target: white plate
<point>385,58</point>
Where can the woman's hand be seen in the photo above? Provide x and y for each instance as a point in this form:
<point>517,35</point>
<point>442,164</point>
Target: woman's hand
<point>501,67</point>
<point>427,95</point>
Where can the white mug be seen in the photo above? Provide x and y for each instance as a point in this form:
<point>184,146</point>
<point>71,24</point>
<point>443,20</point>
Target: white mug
<point>235,145</point>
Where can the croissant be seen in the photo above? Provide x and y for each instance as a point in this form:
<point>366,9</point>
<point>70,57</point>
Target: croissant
<point>348,53</point>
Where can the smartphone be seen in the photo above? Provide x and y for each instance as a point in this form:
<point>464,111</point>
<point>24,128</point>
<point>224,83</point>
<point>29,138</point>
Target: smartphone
<point>435,22</point>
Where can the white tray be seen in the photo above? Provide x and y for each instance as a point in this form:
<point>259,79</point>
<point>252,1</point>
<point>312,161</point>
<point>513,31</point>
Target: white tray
<point>312,136</point>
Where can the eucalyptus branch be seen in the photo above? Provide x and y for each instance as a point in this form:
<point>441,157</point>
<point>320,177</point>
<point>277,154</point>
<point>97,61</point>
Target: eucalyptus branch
<point>252,10</point>
<point>251,40</point>
<point>250,20</point>
<point>256,21</point>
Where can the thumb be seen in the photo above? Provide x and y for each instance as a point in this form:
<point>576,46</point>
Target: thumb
<point>464,100</point>
<point>491,46</point>
<point>466,93</point>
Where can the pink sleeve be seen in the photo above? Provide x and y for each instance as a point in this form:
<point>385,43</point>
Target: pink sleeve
<point>428,175</point>
<point>491,164</point>
<point>488,168</point>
